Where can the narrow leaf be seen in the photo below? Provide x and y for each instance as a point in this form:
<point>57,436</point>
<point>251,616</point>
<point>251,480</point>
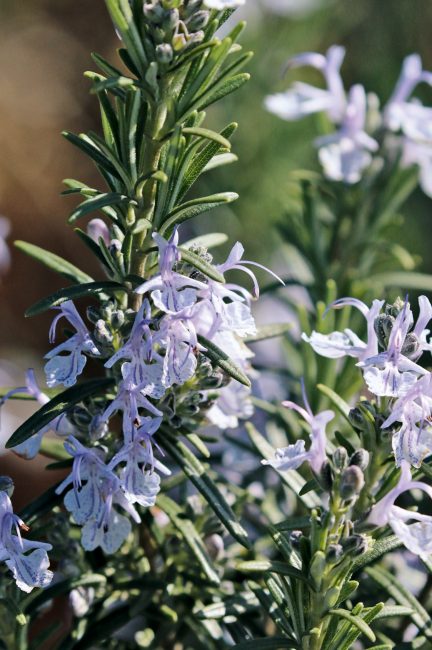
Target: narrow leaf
<point>195,207</point>
<point>53,262</point>
<point>199,263</point>
<point>72,293</point>
<point>221,359</point>
<point>55,407</point>
<point>281,568</point>
<point>355,620</point>
<point>190,536</point>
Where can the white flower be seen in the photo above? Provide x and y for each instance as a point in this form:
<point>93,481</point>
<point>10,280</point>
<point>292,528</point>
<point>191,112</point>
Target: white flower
<point>346,153</point>
<point>220,5</point>
<point>295,455</point>
<point>304,99</point>
<point>417,537</point>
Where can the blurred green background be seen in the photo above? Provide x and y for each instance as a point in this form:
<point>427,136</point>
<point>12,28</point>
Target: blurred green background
<point>45,46</point>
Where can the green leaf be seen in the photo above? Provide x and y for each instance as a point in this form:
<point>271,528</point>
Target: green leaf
<point>390,611</point>
<point>380,547</point>
<point>292,478</point>
<point>269,332</point>
<point>348,633</point>
<point>190,536</point>
<point>198,475</point>
<point>201,264</point>
<point>122,17</point>
<point>195,207</point>
<point>402,279</point>
<point>281,568</point>
<point>202,159</point>
<point>98,203</point>
<point>209,241</point>
<point>223,89</point>
<point>355,620</point>
<point>72,293</point>
<point>55,407</point>
<point>53,262</point>
<point>209,135</point>
<point>220,161</point>
<point>83,143</point>
<point>92,245</point>
<point>221,359</point>
<point>402,596</point>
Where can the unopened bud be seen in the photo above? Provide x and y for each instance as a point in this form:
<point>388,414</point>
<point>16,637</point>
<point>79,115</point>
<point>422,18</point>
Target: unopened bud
<point>198,20</point>
<point>164,53</point>
<point>215,546</point>
<point>360,458</point>
<point>171,19</point>
<point>340,457</point>
<point>80,418</point>
<point>102,333</point>
<point>383,326</point>
<point>411,345</point>
<point>6,485</point>
<point>93,314</point>
<point>334,553</point>
<point>352,482</point>
<point>154,13</point>
<point>325,476</point>
<point>295,537</point>
<point>355,545</point>
<point>117,319</point>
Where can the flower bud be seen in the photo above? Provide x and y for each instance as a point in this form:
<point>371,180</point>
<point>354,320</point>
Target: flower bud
<point>93,314</point>
<point>6,485</point>
<point>102,333</point>
<point>325,476</point>
<point>96,229</point>
<point>80,418</point>
<point>295,537</point>
<point>98,428</point>
<point>171,19</point>
<point>355,545</point>
<point>215,546</point>
<point>383,325</point>
<point>411,345</point>
<point>198,20</point>
<point>117,319</point>
<point>164,53</point>
<point>352,482</point>
<point>360,458</point>
<point>334,553</point>
<point>340,457</point>
<point>154,13</point>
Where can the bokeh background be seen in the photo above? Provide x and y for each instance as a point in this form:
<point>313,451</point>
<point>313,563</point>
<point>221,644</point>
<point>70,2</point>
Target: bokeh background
<point>45,46</point>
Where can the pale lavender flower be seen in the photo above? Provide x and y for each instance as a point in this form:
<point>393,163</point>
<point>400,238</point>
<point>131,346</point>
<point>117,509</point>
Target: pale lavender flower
<point>345,154</point>
<point>97,229</point>
<point>409,116</point>
<point>413,441</point>
<point>295,455</point>
<point>220,5</point>
<point>129,399</point>
<point>145,366</point>
<point>60,425</point>
<point>179,338</point>
<point>347,343</point>
<point>171,292</point>
<point>95,491</point>
<point>392,373</point>
<point>138,479</point>
<point>412,119</point>
<point>29,570</point>
<point>417,536</point>
<point>233,404</point>
<point>304,99</point>
<point>64,368</point>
